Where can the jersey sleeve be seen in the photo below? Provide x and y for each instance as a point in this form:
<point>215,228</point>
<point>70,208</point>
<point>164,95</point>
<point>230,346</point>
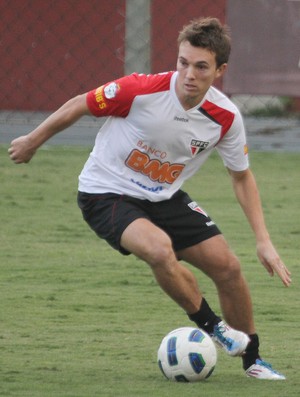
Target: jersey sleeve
<point>115,98</point>
<point>233,146</point>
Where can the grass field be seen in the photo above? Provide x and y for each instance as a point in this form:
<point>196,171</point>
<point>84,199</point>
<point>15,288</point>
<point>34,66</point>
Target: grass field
<point>79,320</point>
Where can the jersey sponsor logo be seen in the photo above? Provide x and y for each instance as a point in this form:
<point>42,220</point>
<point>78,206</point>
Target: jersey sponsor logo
<point>148,149</point>
<point>110,90</point>
<point>100,98</point>
<point>152,189</point>
<point>197,146</point>
<point>156,170</point>
<point>195,207</point>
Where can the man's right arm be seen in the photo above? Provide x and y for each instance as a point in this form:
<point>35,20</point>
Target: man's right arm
<point>24,147</point>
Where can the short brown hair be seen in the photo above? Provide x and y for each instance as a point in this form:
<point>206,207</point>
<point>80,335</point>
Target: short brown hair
<point>208,33</point>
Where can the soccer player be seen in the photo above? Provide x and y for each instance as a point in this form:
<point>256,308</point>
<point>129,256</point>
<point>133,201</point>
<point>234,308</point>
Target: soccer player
<point>160,130</point>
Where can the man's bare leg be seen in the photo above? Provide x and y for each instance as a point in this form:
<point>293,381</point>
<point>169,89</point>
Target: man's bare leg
<point>154,246</point>
<point>215,259</point>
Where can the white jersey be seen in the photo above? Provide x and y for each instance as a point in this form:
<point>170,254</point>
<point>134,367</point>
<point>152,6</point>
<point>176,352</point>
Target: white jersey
<point>150,145</point>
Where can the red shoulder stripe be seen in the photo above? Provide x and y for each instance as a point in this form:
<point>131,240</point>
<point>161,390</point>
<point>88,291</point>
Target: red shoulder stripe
<point>219,115</point>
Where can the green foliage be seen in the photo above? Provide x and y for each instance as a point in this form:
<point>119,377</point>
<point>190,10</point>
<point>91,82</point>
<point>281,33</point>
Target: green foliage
<point>80,320</point>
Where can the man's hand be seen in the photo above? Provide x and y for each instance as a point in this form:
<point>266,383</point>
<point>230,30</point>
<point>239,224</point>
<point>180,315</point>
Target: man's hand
<point>269,257</point>
<point>21,150</point>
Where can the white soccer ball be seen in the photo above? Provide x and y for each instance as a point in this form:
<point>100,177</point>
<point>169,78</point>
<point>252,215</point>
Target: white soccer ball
<point>187,355</point>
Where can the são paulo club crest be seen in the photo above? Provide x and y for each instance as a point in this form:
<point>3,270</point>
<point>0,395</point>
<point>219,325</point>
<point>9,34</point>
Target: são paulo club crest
<point>197,146</point>
<point>195,207</point>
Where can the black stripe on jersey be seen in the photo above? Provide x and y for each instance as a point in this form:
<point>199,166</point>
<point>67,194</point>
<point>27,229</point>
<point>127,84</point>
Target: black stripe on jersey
<point>206,114</point>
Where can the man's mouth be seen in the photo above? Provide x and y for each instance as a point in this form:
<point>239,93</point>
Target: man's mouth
<point>189,86</point>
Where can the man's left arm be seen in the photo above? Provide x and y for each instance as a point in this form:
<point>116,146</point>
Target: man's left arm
<point>247,193</point>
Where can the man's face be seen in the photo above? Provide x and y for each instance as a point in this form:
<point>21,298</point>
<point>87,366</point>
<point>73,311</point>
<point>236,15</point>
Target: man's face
<point>197,69</point>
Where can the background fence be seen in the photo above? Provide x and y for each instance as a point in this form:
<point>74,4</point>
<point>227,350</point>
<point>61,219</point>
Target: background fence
<point>52,50</point>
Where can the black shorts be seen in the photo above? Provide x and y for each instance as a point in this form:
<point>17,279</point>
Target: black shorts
<point>180,217</point>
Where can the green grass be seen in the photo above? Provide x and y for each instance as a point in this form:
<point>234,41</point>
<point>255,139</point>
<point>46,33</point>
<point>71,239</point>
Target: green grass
<point>80,320</point>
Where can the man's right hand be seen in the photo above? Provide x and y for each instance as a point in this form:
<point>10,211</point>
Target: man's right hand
<point>21,150</point>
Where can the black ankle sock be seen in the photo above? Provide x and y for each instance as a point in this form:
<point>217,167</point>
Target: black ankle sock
<point>252,352</point>
<point>205,318</point>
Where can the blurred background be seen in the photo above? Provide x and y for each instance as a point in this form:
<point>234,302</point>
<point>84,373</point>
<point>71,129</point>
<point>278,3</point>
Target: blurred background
<point>55,49</point>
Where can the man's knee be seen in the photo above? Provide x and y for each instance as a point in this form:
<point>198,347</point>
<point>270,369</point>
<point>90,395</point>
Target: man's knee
<point>230,271</point>
<point>160,252</point>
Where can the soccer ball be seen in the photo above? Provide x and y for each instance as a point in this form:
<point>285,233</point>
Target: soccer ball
<point>187,355</point>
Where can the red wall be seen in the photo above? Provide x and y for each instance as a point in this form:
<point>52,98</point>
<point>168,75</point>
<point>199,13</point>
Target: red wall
<point>53,50</point>
<point>168,18</point>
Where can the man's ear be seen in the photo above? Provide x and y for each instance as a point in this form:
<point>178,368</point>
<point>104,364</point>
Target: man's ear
<point>221,70</point>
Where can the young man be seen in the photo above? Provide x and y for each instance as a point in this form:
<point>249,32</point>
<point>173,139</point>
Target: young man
<point>160,131</point>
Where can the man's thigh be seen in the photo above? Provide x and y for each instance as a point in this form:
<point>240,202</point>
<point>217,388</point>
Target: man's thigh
<point>147,241</point>
<point>213,256</point>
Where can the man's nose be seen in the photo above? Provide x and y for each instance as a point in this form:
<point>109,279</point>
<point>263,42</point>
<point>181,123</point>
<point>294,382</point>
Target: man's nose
<point>190,72</point>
